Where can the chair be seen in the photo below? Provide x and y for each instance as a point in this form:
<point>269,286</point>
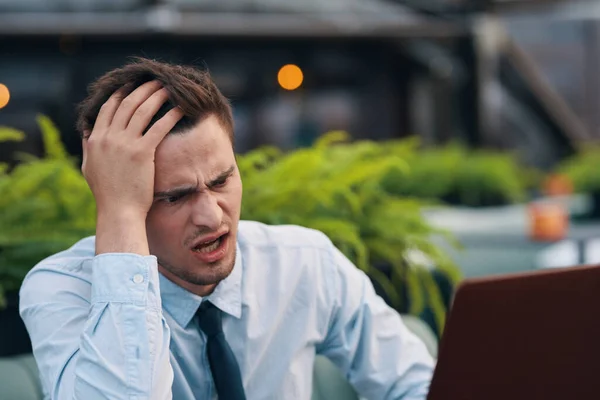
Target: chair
<point>19,378</point>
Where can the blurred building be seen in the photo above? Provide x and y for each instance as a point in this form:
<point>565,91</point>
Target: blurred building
<point>376,68</point>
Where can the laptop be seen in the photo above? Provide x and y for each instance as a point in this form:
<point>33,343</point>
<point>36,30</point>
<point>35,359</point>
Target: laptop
<point>526,336</point>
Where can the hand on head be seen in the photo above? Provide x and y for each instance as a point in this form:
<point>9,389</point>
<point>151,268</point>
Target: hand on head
<point>118,159</point>
<point>119,166</point>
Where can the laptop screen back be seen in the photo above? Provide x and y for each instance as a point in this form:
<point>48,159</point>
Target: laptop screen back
<point>524,336</point>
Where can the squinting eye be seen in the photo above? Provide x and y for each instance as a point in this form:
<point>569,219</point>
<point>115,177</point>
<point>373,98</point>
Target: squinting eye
<point>172,199</point>
<point>220,183</point>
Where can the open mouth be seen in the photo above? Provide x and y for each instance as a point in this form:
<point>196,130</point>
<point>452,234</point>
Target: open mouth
<point>209,247</point>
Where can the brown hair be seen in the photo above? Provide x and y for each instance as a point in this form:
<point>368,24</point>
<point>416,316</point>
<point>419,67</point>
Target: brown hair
<point>190,89</point>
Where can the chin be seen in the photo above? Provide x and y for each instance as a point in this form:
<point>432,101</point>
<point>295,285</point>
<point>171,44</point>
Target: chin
<point>200,273</point>
<point>211,274</point>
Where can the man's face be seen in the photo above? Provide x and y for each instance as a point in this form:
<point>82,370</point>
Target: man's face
<point>198,195</point>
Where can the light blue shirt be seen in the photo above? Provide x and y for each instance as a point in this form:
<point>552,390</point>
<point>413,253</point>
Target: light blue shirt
<point>111,327</point>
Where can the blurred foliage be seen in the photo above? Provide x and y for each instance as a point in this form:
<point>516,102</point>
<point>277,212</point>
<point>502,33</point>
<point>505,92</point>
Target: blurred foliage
<point>45,207</point>
<point>337,187</point>
<point>456,175</point>
<point>581,169</point>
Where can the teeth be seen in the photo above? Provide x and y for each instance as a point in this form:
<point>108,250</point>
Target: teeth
<point>208,247</point>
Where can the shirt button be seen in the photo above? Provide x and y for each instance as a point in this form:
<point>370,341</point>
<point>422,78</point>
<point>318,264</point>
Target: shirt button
<point>137,278</point>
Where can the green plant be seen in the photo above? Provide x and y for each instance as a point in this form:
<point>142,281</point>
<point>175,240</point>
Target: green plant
<point>45,207</point>
<point>337,187</point>
<point>490,178</point>
<point>454,174</point>
<point>582,169</point>
<point>432,172</point>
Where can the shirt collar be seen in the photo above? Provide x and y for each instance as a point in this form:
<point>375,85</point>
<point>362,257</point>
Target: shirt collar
<point>227,296</point>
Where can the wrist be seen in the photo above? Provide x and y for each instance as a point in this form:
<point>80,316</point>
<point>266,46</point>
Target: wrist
<point>121,231</point>
<point>117,213</point>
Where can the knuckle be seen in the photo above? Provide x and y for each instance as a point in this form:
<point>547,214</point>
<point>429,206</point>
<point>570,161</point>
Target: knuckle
<point>100,143</point>
<point>91,141</point>
<point>138,154</point>
<point>162,126</point>
<point>110,102</point>
<point>159,125</point>
<point>103,145</point>
<point>141,112</point>
<point>127,102</point>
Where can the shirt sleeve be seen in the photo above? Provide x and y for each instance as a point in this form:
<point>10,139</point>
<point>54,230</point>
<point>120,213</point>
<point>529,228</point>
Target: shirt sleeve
<point>107,341</point>
<point>369,342</point>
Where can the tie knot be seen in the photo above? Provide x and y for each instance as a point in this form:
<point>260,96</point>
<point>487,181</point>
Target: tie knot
<point>209,319</point>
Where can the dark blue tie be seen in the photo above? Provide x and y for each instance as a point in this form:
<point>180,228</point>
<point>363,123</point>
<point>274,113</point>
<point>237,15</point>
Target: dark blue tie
<point>223,365</point>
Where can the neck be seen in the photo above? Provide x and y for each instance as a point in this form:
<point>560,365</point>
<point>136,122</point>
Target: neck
<point>199,290</point>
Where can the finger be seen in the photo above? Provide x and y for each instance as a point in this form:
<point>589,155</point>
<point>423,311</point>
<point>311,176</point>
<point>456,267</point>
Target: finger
<point>107,112</point>
<point>144,113</point>
<point>130,103</point>
<point>84,145</point>
<point>162,127</point>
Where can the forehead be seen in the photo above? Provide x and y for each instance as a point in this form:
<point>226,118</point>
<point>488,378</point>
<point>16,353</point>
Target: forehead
<point>198,154</point>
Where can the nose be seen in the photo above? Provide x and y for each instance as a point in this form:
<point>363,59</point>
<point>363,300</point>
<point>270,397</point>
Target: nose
<point>207,212</point>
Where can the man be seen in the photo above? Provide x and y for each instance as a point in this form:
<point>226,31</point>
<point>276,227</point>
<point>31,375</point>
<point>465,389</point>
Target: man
<point>175,297</point>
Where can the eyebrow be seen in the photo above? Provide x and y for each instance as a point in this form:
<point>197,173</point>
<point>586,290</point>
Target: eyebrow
<point>221,177</point>
<point>177,192</point>
<point>186,190</point>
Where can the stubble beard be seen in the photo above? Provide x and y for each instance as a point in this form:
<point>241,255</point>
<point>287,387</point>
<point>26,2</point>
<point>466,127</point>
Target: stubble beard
<point>208,274</point>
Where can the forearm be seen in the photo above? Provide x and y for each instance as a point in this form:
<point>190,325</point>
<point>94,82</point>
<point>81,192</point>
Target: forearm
<point>116,346</point>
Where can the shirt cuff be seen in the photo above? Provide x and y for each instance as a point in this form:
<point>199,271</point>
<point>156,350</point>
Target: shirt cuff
<point>125,278</point>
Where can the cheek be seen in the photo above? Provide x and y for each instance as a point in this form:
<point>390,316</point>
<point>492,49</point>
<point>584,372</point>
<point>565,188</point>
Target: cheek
<point>233,197</point>
<point>163,226</point>
<point>230,205</point>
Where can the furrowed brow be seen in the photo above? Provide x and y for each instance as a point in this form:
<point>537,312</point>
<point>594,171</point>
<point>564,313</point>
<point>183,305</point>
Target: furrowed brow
<point>177,192</point>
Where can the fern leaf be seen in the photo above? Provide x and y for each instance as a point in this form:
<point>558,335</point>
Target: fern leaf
<point>51,137</point>
<point>11,135</point>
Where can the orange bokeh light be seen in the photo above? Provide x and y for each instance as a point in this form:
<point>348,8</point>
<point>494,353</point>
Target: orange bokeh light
<point>290,77</point>
<point>4,95</point>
